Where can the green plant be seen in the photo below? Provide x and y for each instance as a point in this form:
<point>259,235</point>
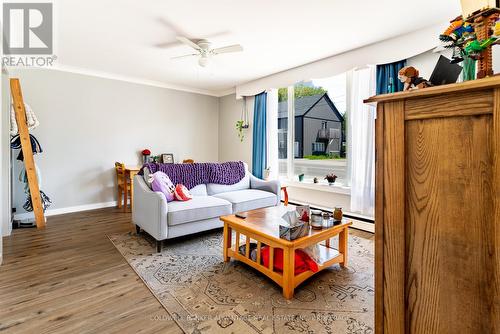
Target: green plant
<point>300,90</point>
<point>240,125</point>
<point>331,178</point>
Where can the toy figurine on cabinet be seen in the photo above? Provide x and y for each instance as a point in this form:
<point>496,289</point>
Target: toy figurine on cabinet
<point>409,76</point>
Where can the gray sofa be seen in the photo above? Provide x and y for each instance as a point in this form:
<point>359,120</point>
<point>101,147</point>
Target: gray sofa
<point>164,220</point>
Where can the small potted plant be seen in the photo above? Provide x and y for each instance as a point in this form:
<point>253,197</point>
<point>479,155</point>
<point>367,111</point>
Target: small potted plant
<point>240,125</point>
<point>145,155</point>
<point>331,178</point>
<point>267,173</point>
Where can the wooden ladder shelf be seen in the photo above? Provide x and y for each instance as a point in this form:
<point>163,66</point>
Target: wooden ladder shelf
<point>29,162</point>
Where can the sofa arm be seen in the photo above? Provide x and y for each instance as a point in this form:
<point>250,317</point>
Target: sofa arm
<point>272,186</point>
<point>150,209</point>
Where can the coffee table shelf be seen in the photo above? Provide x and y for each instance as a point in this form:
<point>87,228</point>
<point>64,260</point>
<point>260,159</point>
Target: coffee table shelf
<point>328,257</point>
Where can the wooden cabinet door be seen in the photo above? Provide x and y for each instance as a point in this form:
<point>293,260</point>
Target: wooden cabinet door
<point>437,213</point>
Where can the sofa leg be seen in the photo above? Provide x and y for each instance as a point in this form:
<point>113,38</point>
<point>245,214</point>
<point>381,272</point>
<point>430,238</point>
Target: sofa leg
<point>158,246</point>
<point>137,229</point>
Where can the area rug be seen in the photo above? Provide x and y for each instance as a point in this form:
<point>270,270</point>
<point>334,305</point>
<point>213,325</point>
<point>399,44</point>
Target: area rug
<point>205,295</point>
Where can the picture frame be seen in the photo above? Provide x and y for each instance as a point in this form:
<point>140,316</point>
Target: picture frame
<point>167,158</point>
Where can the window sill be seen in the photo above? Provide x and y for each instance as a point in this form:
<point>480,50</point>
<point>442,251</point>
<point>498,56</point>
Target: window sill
<point>318,187</point>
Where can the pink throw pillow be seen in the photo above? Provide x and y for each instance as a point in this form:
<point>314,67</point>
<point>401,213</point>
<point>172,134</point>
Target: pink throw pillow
<point>182,193</point>
<point>161,182</point>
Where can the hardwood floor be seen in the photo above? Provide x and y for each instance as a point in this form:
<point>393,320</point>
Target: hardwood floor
<point>69,278</point>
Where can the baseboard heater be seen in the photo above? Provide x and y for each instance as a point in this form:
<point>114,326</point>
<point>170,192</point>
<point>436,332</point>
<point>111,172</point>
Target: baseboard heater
<point>350,215</point>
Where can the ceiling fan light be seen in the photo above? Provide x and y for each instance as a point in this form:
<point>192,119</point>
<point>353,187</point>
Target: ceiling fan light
<point>203,61</point>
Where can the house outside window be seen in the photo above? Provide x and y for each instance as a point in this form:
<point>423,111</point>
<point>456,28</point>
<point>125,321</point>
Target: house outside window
<point>319,115</point>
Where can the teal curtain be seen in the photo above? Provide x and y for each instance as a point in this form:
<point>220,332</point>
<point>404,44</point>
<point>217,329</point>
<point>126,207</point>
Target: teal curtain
<point>387,77</point>
<point>259,135</point>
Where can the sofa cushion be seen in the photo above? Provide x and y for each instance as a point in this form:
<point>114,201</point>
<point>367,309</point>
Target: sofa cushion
<point>214,188</point>
<point>248,199</point>
<point>199,190</point>
<point>198,208</point>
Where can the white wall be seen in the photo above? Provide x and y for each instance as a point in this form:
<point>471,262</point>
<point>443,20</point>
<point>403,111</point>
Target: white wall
<point>230,146</point>
<point>87,123</point>
<point>3,181</point>
<point>5,211</point>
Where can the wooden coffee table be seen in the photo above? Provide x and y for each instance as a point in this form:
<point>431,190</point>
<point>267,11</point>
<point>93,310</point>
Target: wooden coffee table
<point>262,226</point>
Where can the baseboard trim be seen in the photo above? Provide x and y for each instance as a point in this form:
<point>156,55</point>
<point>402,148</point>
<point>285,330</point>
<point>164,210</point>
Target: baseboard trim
<point>69,209</point>
<point>361,225</point>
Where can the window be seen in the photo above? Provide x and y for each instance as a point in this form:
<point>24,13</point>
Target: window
<point>316,111</point>
<point>318,148</point>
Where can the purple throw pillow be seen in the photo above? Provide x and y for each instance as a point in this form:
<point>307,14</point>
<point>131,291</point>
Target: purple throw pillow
<point>161,182</point>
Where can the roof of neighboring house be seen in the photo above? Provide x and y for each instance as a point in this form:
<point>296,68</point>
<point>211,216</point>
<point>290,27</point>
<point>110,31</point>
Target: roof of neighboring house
<point>304,104</point>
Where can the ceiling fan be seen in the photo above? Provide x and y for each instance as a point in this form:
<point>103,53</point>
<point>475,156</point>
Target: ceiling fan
<point>204,52</point>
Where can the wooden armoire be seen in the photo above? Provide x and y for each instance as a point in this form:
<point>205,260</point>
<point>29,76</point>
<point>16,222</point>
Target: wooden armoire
<point>437,218</point>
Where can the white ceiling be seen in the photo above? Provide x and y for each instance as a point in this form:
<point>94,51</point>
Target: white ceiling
<point>119,37</point>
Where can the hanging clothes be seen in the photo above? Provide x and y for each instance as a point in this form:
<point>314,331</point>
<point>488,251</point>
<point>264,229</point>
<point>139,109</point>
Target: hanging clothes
<point>15,143</point>
<point>23,177</point>
<point>46,202</point>
<point>31,119</point>
<point>28,205</point>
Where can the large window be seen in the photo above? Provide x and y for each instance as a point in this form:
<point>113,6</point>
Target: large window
<point>316,112</point>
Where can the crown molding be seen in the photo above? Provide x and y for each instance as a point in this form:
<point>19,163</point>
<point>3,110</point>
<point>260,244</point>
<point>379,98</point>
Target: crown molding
<point>227,92</point>
<point>136,80</point>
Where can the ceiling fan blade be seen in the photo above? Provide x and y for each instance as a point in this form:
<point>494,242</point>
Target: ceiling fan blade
<point>184,56</point>
<point>166,45</point>
<point>227,49</point>
<point>189,42</point>
<point>174,30</point>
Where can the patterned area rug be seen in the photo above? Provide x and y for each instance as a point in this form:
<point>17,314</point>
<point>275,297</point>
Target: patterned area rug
<point>203,294</point>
